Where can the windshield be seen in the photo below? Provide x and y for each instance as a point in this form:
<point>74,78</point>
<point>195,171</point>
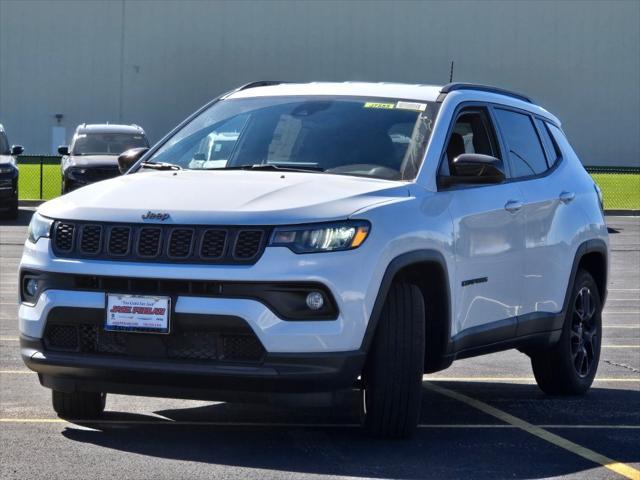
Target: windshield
<point>343,135</point>
<point>4,145</point>
<point>107,143</point>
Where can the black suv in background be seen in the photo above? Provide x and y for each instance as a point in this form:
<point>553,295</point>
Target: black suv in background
<point>93,153</point>
<point>8,176</point>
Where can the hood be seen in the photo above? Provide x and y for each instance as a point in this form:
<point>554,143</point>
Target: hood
<point>234,197</point>
<point>92,161</point>
<point>6,159</point>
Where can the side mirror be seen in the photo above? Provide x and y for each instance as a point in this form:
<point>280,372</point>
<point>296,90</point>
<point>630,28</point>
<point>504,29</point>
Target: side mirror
<point>128,158</point>
<point>63,150</point>
<point>473,168</point>
<point>199,156</point>
<point>17,150</point>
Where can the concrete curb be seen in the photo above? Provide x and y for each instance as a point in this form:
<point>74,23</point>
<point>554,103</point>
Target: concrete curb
<point>30,203</point>
<point>631,213</point>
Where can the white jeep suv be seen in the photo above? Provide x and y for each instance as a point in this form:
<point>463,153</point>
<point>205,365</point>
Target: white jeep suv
<point>356,236</point>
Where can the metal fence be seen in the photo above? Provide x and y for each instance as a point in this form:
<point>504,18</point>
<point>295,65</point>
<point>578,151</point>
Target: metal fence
<point>40,179</point>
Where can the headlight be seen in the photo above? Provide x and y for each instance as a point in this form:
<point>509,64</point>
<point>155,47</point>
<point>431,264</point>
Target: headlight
<point>325,237</point>
<point>77,172</point>
<point>39,227</point>
<point>9,168</point>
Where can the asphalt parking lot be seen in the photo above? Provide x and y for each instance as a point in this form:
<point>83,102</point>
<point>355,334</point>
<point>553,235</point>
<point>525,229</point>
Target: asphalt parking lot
<point>481,418</point>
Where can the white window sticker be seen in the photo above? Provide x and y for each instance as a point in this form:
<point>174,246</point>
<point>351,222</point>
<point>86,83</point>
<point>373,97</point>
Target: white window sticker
<point>420,107</point>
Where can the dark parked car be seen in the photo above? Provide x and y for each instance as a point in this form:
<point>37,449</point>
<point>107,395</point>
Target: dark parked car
<point>8,176</point>
<point>93,153</point>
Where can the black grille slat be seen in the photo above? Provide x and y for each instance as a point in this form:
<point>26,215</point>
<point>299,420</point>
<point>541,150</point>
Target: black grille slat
<point>180,241</point>
<point>149,242</point>
<point>213,243</point>
<point>64,233</point>
<point>248,244</point>
<point>213,346</point>
<point>119,239</point>
<point>241,347</point>
<point>62,337</point>
<point>90,239</point>
<point>159,243</point>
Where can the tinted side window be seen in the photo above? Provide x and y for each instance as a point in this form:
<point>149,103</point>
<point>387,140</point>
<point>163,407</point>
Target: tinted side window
<point>549,145</point>
<point>525,152</point>
<point>472,133</point>
<point>4,145</point>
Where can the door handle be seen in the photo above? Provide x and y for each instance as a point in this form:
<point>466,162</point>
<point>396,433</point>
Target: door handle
<point>566,197</point>
<point>513,206</point>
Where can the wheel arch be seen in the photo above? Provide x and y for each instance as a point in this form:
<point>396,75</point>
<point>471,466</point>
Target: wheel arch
<point>427,269</point>
<point>591,256</point>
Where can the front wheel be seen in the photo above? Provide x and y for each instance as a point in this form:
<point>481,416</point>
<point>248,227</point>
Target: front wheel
<point>392,378</point>
<point>569,367</point>
<point>84,405</point>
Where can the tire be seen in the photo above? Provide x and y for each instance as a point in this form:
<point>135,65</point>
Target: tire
<point>569,367</point>
<point>78,404</point>
<point>392,378</point>
<point>13,213</point>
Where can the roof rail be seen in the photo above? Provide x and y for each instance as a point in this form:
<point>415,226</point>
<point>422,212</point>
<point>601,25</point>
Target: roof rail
<point>450,87</point>
<point>246,86</point>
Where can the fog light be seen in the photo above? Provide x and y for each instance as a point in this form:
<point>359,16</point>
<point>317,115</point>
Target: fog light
<point>32,287</point>
<point>315,301</point>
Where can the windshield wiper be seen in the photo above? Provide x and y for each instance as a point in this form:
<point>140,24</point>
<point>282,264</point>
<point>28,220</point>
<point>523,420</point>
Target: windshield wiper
<point>272,167</point>
<point>161,166</point>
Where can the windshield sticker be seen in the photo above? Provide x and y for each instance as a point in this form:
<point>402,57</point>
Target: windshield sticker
<point>379,105</point>
<point>420,107</point>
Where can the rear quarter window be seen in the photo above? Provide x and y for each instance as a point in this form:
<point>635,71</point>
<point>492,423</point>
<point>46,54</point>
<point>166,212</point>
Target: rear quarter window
<point>522,143</point>
<point>552,150</point>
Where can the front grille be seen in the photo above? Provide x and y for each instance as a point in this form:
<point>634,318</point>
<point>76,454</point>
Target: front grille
<point>159,243</point>
<point>184,345</point>
<point>62,337</point>
<point>96,174</point>
<point>248,243</point>
<point>149,242</point>
<point>63,234</point>
<point>119,239</point>
<point>180,241</point>
<point>90,239</point>
<point>213,243</point>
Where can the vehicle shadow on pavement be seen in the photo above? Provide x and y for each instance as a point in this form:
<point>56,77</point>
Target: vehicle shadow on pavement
<point>24,217</point>
<point>329,442</point>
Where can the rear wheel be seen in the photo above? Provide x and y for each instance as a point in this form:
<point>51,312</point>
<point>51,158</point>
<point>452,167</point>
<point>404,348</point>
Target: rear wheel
<point>392,378</point>
<point>78,404</point>
<point>570,366</point>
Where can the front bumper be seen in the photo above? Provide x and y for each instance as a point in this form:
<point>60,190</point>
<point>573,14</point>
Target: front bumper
<point>315,377</point>
<point>301,356</point>
<point>354,290</point>
<point>8,190</point>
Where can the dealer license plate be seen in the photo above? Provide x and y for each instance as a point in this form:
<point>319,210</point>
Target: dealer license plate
<point>138,313</point>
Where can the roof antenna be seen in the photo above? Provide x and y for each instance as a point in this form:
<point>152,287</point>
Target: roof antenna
<point>451,73</point>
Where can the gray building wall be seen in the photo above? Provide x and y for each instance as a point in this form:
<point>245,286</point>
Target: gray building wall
<point>152,63</point>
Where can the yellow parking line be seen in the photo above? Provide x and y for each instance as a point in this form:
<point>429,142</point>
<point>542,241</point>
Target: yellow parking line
<point>516,379</point>
<point>613,465</point>
<point>620,346</point>
<point>621,326</point>
<point>9,339</point>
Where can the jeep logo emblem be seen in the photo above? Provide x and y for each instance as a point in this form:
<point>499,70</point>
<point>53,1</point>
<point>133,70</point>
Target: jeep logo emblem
<point>162,216</point>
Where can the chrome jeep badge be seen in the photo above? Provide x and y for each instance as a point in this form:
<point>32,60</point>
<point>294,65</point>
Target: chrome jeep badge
<point>162,216</point>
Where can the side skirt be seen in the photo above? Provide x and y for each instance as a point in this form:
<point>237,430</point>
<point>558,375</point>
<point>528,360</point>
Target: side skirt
<point>537,330</point>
